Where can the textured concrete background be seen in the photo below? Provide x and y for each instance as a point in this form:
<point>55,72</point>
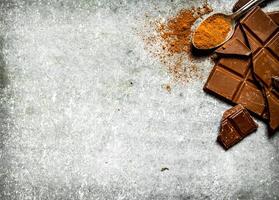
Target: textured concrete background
<point>84,115</point>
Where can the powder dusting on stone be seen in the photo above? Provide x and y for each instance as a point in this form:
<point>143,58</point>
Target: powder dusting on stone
<point>170,43</point>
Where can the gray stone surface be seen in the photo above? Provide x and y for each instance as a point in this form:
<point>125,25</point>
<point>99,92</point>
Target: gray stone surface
<point>74,127</point>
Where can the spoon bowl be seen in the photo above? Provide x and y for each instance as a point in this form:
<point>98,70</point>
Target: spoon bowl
<point>232,19</point>
<point>230,33</point>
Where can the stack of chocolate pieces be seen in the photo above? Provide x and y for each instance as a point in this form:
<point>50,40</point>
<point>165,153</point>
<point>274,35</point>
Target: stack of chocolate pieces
<point>247,73</point>
<point>236,124</point>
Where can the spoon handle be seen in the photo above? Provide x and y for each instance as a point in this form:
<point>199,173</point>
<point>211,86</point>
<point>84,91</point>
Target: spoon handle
<point>246,8</point>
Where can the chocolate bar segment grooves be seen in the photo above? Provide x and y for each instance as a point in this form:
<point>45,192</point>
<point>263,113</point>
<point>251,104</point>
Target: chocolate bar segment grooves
<point>263,36</point>
<point>231,78</point>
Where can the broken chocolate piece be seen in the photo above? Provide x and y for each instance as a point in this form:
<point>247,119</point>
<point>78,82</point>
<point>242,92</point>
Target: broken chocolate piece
<point>231,78</point>
<point>236,124</point>
<point>263,37</point>
<point>234,47</point>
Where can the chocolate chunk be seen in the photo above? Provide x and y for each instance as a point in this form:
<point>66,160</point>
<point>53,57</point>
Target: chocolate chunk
<point>240,3</point>
<point>234,47</point>
<point>236,124</point>
<point>238,34</point>
<point>263,37</point>
<point>231,79</point>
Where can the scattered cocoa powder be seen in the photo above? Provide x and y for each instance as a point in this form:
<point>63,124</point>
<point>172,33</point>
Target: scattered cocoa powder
<point>167,87</point>
<point>170,43</point>
<point>176,32</point>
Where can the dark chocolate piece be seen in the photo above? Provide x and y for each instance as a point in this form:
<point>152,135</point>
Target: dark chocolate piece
<point>263,37</point>
<point>234,47</point>
<point>236,124</point>
<point>231,78</point>
<point>241,3</point>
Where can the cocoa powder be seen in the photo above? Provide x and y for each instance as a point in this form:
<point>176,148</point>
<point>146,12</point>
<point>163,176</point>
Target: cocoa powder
<point>176,32</point>
<point>171,43</point>
<point>212,32</point>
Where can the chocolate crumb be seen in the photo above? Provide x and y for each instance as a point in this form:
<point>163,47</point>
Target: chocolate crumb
<point>167,87</point>
<point>164,169</point>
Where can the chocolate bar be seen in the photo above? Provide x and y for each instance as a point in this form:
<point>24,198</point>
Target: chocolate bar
<point>263,38</point>
<point>236,124</point>
<point>231,78</point>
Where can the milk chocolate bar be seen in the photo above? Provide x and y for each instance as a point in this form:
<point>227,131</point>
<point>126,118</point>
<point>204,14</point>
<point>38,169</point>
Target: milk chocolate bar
<point>263,38</point>
<point>236,124</point>
<point>231,78</point>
